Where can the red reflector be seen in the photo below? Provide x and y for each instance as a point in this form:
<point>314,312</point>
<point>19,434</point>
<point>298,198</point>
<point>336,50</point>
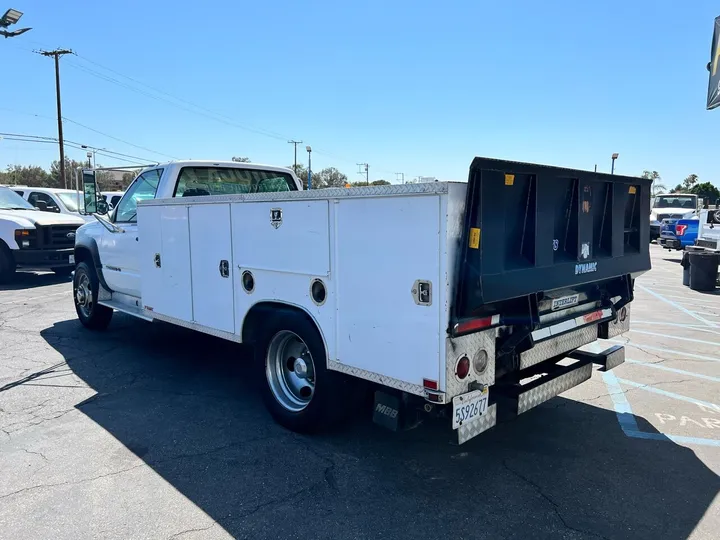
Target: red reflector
<point>433,397</point>
<point>475,324</point>
<point>463,367</point>
<point>594,316</point>
<point>431,385</point>
<point>680,229</point>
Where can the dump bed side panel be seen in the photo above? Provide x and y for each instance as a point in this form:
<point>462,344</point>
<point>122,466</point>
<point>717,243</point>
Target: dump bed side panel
<point>533,228</point>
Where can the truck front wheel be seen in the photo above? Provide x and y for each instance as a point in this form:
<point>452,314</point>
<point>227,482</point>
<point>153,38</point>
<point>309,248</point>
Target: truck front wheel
<point>299,391</point>
<point>85,293</point>
<point>7,264</point>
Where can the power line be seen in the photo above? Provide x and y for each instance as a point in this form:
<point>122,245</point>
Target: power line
<point>118,139</point>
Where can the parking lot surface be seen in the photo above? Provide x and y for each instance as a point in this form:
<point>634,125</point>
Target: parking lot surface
<point>150,431</point>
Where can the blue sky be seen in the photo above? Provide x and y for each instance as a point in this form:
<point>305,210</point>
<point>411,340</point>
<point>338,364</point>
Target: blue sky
<point>407,86</point>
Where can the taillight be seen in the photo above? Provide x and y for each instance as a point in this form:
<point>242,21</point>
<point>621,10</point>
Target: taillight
<point>463,367</point>
<point>680,229</point>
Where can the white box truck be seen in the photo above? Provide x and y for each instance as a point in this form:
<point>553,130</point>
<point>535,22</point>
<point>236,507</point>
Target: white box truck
<point>465,300</point>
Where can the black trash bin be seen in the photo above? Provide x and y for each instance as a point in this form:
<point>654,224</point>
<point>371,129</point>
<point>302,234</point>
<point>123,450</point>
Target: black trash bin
<point>685,263</point>
<point>703,270</point>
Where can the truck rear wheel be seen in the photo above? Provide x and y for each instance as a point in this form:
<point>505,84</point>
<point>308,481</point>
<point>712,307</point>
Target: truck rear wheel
<point>85,293</point>
<point>299,391</point>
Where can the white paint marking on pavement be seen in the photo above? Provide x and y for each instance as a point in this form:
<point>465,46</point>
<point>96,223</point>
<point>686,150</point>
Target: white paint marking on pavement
<point>665,393</point>
<point>692,327</point>
<point>673,370</point>
<point>25,300</point>
<point>671,351</point>
<point>714,343</point>
<point>677,306</point>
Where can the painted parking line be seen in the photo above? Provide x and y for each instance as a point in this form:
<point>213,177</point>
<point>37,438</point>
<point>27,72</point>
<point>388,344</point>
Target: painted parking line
<point>628,424</point>
<point>673,370</point>
<point>693,327</point>
<point>665,393</point>
<point>678,338</point>
<point>670,351</point>
<point>678,306</point>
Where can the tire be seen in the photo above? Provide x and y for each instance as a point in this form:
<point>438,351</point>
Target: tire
<point>7,264</point>
<point>328,399</point>
<point>63,271</point>
<point>85,294</point>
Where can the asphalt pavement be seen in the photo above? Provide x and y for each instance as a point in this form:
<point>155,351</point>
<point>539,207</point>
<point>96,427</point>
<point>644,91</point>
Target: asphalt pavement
<point>151,431</point>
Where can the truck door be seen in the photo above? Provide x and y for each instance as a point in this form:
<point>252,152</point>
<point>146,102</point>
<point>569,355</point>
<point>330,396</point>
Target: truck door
<point>119,250</point>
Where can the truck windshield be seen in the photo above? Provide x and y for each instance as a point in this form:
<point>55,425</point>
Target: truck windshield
<point>675,201</point>
<point>70,200</point>
<point>199,181</point>
<point>9,200</point>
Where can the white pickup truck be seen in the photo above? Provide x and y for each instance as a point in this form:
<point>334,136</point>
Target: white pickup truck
<point>465,300</point>
<point>34,240</point>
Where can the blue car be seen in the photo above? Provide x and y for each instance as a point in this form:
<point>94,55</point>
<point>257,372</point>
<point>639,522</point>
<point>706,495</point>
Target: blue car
<point>677,234</point>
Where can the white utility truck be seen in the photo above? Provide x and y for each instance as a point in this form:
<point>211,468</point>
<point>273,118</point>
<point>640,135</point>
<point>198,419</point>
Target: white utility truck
<point>34,240</point>
<point>464,300</point>
<point>672,206</point>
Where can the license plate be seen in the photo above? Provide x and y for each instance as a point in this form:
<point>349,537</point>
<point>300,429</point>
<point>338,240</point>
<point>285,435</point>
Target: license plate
<point>468,407</point>
<point>71,259</point>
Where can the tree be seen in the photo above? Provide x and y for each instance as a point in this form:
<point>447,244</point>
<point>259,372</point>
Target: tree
<point>656,187</point>
<point>706,191</point>
<point>127,178</point>
<point>71,167</point>
<point>690,181</point>
<point>330,177</point>
<point>677,189</point>
<point>239,159</point>
<point>25,176</point>
<point>379,183</point>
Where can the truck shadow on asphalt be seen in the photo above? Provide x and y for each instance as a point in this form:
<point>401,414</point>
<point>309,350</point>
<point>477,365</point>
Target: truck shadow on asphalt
<point>186,404</point>
<point>32,280</point>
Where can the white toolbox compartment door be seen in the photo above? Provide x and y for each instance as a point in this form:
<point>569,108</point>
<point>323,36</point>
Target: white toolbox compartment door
<point>176,288</point>
<point>211,248</point>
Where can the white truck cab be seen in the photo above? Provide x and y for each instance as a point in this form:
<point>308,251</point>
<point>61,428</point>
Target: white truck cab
<point>57,201</point>
<point>672,206</point>
<point>34,240</point>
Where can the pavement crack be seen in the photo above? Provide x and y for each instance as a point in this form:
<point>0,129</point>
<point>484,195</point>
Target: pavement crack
<point>556,507</point>
<point>188,531</point>
<point>72,483</point>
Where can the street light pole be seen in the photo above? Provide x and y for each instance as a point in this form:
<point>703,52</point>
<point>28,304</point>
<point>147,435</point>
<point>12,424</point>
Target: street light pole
<point>295,143</point>
<point>309,151</point>
<point>614,157</point>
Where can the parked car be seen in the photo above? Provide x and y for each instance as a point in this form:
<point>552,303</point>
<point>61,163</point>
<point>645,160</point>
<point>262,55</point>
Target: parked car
<point>34,240</point>
<point>677,234</point>
<point>112,197</point>
<point>59,201</point>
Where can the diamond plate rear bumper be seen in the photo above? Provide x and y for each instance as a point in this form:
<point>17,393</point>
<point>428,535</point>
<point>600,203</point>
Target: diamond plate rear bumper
<point>476,427</point>
<point>538,392</point>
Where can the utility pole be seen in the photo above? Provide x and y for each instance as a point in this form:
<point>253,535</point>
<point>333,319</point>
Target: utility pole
<point>295,143</point>
<point>57,53</point>
<point>400,176</point>
<point>360,171</point>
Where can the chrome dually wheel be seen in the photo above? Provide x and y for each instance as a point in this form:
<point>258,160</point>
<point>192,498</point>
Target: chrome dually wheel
<point>290,371</point>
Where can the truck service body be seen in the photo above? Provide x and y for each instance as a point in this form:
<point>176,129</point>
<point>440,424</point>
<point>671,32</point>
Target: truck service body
<point>469,300</point>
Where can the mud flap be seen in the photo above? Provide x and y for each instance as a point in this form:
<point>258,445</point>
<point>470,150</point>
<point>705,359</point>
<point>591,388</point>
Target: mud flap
<point>387,410</point>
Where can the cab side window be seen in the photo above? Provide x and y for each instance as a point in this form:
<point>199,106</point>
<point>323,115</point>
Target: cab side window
<point>144,187</point>
<point>47,203</point>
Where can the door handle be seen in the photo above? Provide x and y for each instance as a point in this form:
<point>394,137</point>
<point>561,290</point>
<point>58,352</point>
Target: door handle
<point>224,268</point>
<point>158,262</point>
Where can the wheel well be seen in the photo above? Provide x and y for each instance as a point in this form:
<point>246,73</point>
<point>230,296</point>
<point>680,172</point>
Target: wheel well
<point>259,314</point>
<point>82,254</point>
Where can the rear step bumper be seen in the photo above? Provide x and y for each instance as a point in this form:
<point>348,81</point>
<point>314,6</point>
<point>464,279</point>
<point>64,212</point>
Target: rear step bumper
<point>512,401</point>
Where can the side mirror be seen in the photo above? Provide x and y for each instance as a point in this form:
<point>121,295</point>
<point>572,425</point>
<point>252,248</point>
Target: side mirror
<point>101,207</point>
<point>89,188</point>
<point>41,205</point>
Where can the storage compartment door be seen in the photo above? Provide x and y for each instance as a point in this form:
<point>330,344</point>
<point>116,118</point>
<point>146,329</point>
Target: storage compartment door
<point>212,266</point>
<point>150,248</point>
<point>176,288</point>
